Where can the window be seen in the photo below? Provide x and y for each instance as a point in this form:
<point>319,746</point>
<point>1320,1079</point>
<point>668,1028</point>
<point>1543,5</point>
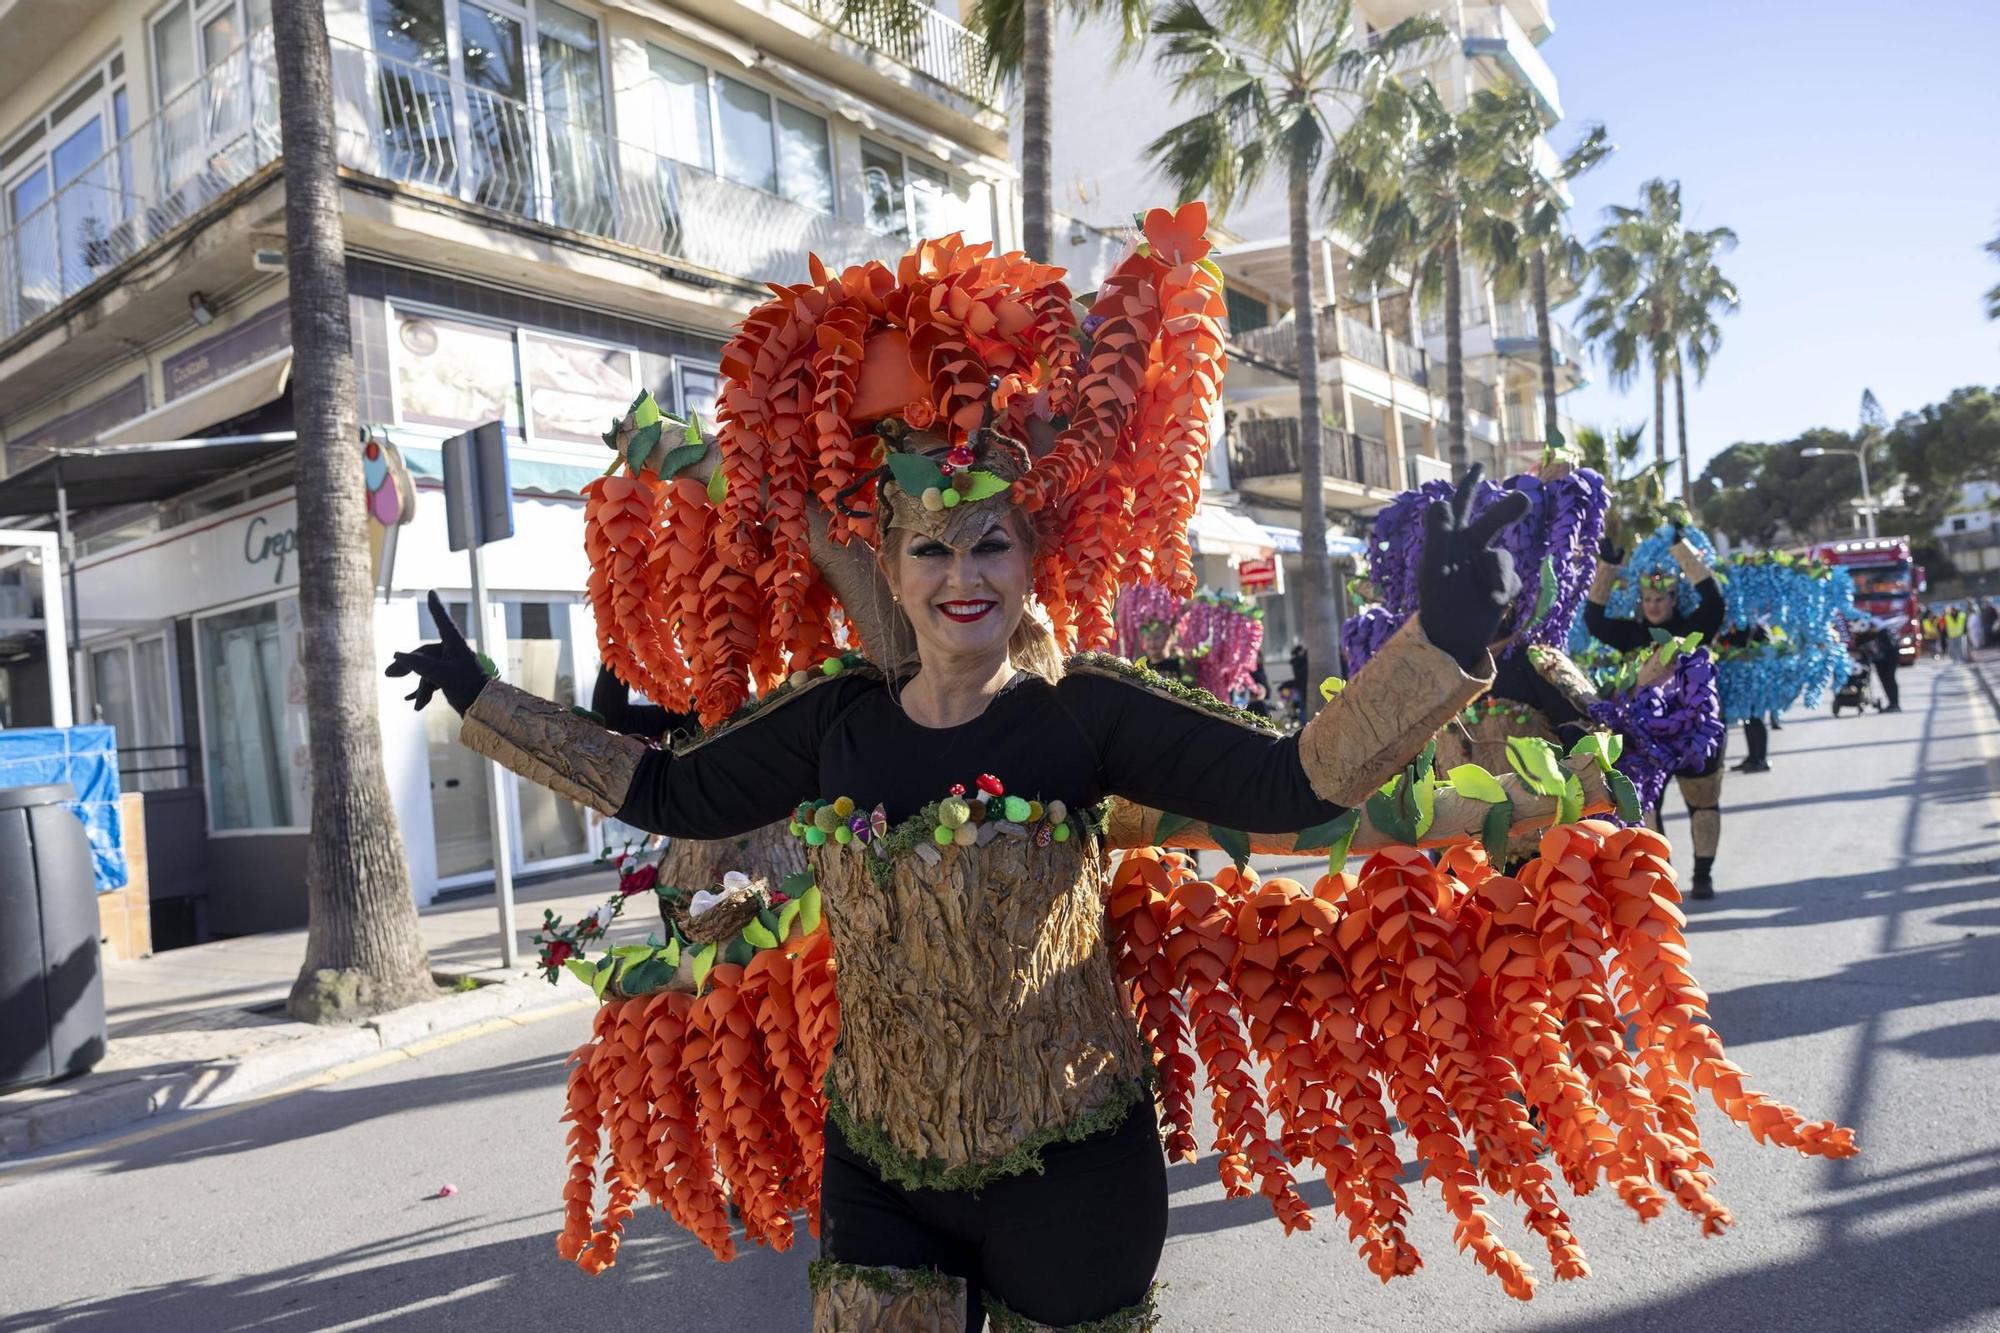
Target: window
<point>453,374</point>
<point>739,132</point>
<point>697,385</point>
<point>129,690</point>
<point>64,192</point>
<point>910,198</point>
<point>201,81</point>
<point>255,742</point>
<point>1246,312</point>
<point>498,101</point>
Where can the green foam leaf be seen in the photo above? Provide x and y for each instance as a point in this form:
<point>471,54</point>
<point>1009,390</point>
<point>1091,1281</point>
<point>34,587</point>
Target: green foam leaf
<point>984,486</point>
<point>718,486</point>
<point>1625,794</point>
<point>1233,841</point>
<point>1493,831</point>
<point>1475,783</point>
<point>1170,824</point>
<point>915,473</point>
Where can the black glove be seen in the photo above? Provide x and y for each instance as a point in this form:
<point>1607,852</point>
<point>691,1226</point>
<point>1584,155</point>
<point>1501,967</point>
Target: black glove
<point>1465,586</point>
<point>450,666</point>
<point>1609,551</point>
<point>1677,519</point>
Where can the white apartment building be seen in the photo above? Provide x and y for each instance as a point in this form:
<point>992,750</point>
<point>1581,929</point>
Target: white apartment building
<point>550,204</point>
<point>1381,366</point>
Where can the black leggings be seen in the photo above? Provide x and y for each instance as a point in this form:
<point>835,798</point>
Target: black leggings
<point>1759,738</point>
<point>1076,1242</point>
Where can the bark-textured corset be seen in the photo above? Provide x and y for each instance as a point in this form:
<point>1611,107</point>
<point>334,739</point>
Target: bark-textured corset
<point>980,1016</point>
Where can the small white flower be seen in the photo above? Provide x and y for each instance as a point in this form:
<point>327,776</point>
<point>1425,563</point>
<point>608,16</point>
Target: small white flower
<point>703,900</point>
<point>735,879</point>
<point>603,915</point>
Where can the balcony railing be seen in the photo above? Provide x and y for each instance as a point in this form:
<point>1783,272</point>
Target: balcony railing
<point>1493,31</point>
<point>1420,468</point>
<point>206,140</point>
<point>1363,342</point>
<point>914,34</point>
<point>415,126</point>
<point>1409,363</point>
<point>1269,447</point>
<point>1278,345</point>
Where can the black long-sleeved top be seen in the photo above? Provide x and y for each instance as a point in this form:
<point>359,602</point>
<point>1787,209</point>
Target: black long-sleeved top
<point>1629,635</point>
<point>611,699</point>
<point>1516,679</point>
<point>1088,737</point>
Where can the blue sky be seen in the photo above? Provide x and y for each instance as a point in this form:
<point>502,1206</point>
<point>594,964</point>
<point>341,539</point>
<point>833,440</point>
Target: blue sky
<point>1854,148</point>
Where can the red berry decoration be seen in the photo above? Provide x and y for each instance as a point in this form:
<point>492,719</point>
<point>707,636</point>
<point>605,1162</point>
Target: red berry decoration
<point>991,785</point>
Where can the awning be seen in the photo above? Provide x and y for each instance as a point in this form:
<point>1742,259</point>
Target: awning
<point>101,476</point>
<point>1286,540</point>
<point>230,397</point>
<point>1218,531</point>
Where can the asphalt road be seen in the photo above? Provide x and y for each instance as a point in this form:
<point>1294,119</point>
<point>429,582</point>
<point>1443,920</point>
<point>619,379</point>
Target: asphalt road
<point>1853,958</point>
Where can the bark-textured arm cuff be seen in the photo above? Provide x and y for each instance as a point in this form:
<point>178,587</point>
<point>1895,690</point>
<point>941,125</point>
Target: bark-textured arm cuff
<point>1386,714</point>
<point>1693,567</point>
<point>1557,669</point>
<point>1602,582</point>
<point>548,744</point>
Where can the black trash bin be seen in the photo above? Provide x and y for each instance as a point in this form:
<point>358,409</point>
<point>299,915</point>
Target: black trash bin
<point>51,985</point>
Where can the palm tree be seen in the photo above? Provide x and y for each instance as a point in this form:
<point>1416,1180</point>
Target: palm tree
<point>1268,80</point>
<point>1020,40</point>
<point>1704,294</point>
<point>1435,190</point>
<point>1545,236</point>
<point>1637,491</point>
<point>364,952</point>
<point>1993,293</point>
<point>1642,260</point>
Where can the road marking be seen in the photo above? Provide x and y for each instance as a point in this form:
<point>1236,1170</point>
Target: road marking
<point>360,1065</point>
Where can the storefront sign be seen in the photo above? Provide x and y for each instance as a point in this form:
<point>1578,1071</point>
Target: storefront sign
<point>212,358</point>
<point>1259,576</point>
<point>228,558</point>
<point>71,429</point>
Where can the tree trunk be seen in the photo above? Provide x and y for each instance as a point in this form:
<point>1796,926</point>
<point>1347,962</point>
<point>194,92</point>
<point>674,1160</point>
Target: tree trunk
<point>364,952</point>
<point>1681,426</point>
<point>1322,627</point>
<point>1037,61</point>
<point>1659,411</point>
<point>1546,343</point>
<point>1454,361</point>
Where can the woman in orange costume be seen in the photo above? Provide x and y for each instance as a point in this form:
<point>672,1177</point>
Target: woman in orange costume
<point>989,1142</point>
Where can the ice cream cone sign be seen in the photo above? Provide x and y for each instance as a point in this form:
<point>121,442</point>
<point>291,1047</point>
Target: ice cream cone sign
<point>392,501</point>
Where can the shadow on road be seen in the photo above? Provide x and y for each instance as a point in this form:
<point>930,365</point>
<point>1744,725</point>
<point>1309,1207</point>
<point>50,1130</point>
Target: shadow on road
<point>500,1284</point>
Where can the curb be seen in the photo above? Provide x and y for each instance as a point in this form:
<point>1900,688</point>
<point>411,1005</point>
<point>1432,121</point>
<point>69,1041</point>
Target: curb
<point>196,1086</point>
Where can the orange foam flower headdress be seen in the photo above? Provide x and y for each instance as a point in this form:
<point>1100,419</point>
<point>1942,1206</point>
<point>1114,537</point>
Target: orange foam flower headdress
<point>706,589</point>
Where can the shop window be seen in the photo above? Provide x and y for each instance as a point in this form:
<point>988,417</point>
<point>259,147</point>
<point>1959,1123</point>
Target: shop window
<point>453,374</point>
<point>741,133</point>
<point>253,723</point>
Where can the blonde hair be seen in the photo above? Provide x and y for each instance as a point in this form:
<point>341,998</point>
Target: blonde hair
<point>1032,646</point>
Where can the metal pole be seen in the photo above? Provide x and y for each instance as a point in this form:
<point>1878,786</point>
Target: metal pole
<point>496,791</point>
<point>1867,500</point>
<point>66,556</point>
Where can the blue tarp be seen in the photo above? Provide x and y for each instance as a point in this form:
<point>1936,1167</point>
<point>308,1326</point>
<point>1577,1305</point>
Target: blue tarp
<point>87,759</point>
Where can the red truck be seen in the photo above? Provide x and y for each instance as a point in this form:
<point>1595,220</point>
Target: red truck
<point>1886,583</point>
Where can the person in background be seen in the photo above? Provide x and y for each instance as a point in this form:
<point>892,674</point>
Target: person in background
<point>1876,645</point>
<point>1259,700</point>
<point>1989,617</point>
<point>1955,634</point>
<point>1934,631</point>
<point>1300,677</point>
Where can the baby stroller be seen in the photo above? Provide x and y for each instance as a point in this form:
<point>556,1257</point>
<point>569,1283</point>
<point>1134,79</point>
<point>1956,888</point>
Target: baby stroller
<point>1857,691</point>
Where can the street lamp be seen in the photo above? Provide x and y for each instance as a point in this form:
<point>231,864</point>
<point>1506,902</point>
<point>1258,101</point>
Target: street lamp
<point>1867,500</point>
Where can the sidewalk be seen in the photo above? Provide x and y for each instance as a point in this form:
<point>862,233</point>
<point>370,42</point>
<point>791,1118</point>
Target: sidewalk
<point>206,1025</point>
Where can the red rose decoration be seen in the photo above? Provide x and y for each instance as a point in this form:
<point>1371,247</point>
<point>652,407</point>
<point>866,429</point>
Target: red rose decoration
<point>919,414</point>
<point>557,953</point>
<point>640,880</point>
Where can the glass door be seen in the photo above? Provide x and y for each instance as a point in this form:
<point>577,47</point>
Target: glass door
<point>547,830</point>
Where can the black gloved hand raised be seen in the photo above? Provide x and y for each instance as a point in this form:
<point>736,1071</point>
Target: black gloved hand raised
<point>1464,585</point>
<point>449,667</point>
<point>1609,551</point>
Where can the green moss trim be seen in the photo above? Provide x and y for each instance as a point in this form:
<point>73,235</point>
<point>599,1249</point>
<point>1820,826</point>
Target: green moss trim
<point>899,1167</point>
<point>1138,1318</point>
<point>920,827</point>
<point>852,664</point>
<point>1104,664</point>
<point>889,1281</point>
